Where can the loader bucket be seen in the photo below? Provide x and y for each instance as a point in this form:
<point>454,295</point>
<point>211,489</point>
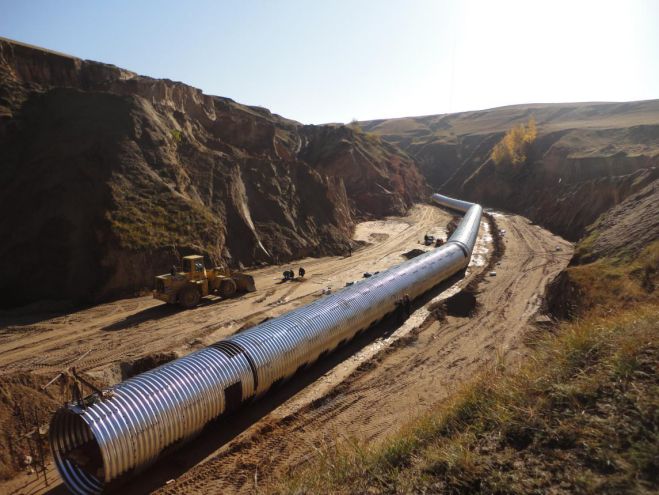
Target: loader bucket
<point>244,282</point>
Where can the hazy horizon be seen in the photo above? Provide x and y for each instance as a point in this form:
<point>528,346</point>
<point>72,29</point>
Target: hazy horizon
<point>322,63</point>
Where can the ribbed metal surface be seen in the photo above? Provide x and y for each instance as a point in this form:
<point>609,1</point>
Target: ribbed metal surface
<point>452,203</point>
<point>98,448</point>
<point>467,231</point>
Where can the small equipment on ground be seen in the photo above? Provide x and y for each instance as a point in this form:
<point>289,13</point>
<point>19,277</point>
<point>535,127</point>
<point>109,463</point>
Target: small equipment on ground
<point>187,284</point>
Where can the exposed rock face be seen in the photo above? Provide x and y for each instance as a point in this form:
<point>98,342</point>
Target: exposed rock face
<point>625,230</point>
<point>380,179</point>
<point>617,260</point>
<point>107,177</point>
<point>588,157</point>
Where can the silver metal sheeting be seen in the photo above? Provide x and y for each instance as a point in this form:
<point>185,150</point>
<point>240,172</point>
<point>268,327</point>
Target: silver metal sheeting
<point>451,203</point>
<point>467,232</point>
<point>99,447</point>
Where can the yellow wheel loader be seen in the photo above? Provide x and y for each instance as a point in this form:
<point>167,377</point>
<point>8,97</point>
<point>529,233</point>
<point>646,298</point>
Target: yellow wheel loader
<point>187,284</point>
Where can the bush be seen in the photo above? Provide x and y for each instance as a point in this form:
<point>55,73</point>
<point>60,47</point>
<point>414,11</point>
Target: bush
<point>373,137</point>
<point>511,150</point>
<point>176,135</point>
<point>354,125</point>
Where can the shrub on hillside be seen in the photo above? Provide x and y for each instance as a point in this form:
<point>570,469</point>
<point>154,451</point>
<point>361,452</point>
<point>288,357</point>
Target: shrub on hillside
<point>511,150</point>
<point>354,125</point>
<point>373,137</point>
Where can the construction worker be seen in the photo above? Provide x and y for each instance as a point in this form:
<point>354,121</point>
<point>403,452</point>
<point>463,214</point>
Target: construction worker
<point>301,272</point>
<point>350,249</point>
<point>399,310</point>
<point>408,304</point>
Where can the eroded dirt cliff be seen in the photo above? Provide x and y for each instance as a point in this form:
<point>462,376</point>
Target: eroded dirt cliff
<point>587,158</point>
<point>107,177</point>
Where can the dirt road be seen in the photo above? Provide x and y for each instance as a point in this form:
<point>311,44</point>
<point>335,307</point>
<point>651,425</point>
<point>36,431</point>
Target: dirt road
<point>368,389</point>
<point>116,333</point>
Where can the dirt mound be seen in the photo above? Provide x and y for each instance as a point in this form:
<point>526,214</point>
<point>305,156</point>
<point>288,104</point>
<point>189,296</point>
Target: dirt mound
<point>21,402</point>
<point>413,253</point>
<point>150,362</point>
<point>127,173</point>
<point>462,304</point>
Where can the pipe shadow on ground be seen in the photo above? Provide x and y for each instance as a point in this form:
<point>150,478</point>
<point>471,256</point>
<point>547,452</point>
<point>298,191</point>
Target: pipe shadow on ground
<point>220,433</point>
<point>161,311</point>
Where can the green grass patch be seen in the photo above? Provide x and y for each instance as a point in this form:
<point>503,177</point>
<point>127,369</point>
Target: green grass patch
<point>152,219</point>
<point>585,247</point>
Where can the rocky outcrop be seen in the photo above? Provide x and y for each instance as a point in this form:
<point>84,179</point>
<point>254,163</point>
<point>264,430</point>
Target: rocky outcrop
<point>588,157</point>
<point>107,177</point>
<point>379,178</point>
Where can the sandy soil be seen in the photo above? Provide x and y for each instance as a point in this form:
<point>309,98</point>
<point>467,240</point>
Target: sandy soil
<point>367,389</point>
<point>116,333</point>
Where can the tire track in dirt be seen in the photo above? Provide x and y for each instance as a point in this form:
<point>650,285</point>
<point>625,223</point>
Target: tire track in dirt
<point>128,329</point>
<point>284,429</point>
<point>373,401</point>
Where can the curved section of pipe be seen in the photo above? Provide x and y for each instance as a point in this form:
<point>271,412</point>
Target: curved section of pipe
<point>113,438</point>
<point>451,203</point>
<point>467,232</point>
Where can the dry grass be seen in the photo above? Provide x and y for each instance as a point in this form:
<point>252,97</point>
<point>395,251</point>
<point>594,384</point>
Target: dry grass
<point>608,286</point>
<point>155,219</point>
<point>582,414</point>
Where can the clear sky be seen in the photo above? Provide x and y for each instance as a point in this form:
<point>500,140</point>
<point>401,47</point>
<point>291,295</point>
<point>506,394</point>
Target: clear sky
<point>332,61</point>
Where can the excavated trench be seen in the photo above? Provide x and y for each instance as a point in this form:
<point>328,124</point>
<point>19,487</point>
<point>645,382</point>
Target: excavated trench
<point>462,305</point>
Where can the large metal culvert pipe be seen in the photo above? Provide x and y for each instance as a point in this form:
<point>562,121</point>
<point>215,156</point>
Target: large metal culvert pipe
<point>113,438</point>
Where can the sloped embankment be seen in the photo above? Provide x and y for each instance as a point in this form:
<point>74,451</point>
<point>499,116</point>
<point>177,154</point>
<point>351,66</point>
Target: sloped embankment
<point>579,415</point>
<point>587,158</point>
<point>108,177</point>
<point>616,267</point>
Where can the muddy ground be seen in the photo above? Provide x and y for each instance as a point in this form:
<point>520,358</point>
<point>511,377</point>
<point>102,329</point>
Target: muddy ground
<point>367,389</point>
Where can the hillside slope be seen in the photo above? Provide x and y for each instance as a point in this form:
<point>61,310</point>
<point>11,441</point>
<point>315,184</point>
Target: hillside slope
<point>576,412</point>
<point>587,158</point>
<point>616,267</point>
<point>107,177</point>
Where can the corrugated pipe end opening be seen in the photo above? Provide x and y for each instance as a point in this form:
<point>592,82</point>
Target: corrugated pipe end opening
<point>76,452</point>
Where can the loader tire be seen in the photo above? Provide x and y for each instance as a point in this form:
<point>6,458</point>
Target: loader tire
<point>189,298</point>
<point>227,288</point>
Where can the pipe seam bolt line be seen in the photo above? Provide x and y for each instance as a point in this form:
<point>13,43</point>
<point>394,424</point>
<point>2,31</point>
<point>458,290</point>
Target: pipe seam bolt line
<point>100,447</point>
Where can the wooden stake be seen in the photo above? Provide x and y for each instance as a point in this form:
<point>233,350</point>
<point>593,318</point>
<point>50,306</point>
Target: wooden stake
<point>43,461</point>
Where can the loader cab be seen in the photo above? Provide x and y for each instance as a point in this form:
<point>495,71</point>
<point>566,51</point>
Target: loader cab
<point>194,267</point>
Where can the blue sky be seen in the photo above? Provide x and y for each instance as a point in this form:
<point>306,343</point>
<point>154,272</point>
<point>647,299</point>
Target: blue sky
<point>332,61</point>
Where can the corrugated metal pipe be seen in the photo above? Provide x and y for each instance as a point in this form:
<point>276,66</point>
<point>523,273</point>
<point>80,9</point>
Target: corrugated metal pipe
<point>114,437</point>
